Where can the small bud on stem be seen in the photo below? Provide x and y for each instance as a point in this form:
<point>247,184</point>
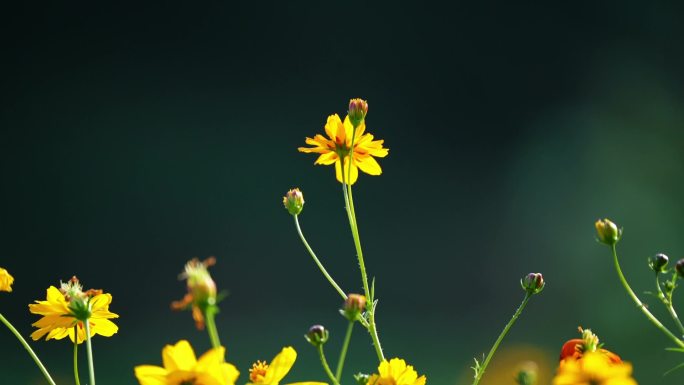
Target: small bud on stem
<point>294,201</point>
<point>607,231</point>
<point>533,283</point>
<point>317,335</point>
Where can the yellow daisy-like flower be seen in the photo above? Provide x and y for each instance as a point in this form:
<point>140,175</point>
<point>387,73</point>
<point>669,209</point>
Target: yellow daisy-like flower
<point>182,368</point>
<point>69,306</point>
<point>264,374</point>
<point>593,369</point>
<point>337,146</point>
<point>396,372</point>
<point>6,280</point>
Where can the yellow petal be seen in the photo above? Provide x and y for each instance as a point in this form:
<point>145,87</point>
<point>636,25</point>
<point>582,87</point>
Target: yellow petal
<point>338,171</point>
<point>327,158</point>
<point>348,129</point>
<point>6,280</point>
<point>150,375</point>
<point>179,356</point>
<point>281,364</point>
<point>368,164</point>
<point>103,327</point>
<point>308,383</point>
<point>332,125</point>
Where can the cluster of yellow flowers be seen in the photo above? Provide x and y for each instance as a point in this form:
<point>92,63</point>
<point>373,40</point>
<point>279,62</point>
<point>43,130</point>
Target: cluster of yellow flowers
<point>70,311</point>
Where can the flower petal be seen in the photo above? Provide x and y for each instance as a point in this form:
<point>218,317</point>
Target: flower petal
<point>352,176</point>
<point>327,159</point>
<point>150,375</point>
<point>179,356</point>
<point>368,164</point>
<point>280,366</point>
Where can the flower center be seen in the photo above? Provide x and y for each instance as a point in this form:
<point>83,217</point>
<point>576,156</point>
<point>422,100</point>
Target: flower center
<point>258,371</point>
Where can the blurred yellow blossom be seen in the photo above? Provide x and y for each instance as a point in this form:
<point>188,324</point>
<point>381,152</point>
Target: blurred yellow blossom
<point>181,367</point>
<point>336,148</point>
<point>396,372</point>
<point>6,280</point>
<point>594,368</point>
<point>70,306</point>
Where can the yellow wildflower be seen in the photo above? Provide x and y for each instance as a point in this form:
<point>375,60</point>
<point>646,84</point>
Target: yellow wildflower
<point>594,368</point>
<point>181,367</point>
<point>6,280</point>
<point>264,374</point>
<point>336,148</point>
<point>69,306</point>
<point>396,372</point>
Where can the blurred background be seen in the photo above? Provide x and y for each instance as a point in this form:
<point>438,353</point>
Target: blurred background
<point>133,138</point>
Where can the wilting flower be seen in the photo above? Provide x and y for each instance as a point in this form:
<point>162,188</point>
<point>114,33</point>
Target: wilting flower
<point>396,372</point>
<point>181,367</point>
<point>262,373</point>
<point>6,280</point>
<point>338,146</point>
<point>594,368</point>
<point>70,306</point>
<point>201,290</point>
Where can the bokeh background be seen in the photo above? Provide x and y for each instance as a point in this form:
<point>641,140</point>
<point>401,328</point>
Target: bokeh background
<point>135,137</point>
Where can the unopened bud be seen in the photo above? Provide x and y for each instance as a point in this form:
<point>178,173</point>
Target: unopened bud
<point>354,306</point>
<point>358,108</point>
<point>679,267</point>
<point>607,231</point>
<point>533,283</point>
<point>317,335</point>
<point>362,378</point>
<point>294,201</point>
<point>527,374</point>
<point>658,263</point>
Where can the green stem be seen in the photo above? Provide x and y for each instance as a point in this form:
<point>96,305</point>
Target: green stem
<point>89,347</point>
<point>372,328</point>
<point>640,304</point>
<point>480,371</point>
<point>326,367</point>
<point>210,315</point>
<point>318,262</point>
<point>343,352</point>
<point>78,381</point>
<point>667,301</point>
<point>28,349</point>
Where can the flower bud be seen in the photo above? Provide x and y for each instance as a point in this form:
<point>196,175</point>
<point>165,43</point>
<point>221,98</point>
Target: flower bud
<point>317,335</point>
<point>362,378</point>
<point>533,283</point>
<point>607,231</point>
<point>679,267</point>
<point>354,306</point>
<point>527,374</point>
<point>358,108</point>
<point>294,201</point>
<point>658,263</point>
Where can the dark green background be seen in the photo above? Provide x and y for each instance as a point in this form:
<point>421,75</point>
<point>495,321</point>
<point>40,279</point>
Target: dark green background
<point>134,137</point>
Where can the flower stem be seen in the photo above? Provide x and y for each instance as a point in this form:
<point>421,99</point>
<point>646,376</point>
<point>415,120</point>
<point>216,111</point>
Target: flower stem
<point>326,367</point>
<point>372,328</point>
<point>640,304</point>
<point>78,381</point>
<point>28,349</point>
<point>318,262</point>
<point>89,347</point>
<point>480,370</point>
<point>210,315</point>
<point>343,352</point>
<point>667,301</point>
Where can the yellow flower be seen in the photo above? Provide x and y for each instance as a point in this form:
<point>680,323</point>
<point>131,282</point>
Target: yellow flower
<point>593,369</point>
<point>6,280</point>
<point>264,374</point>
<point>69,306</point>
<point>181,367</point>
<point>336,148</point>
<point>396,372</point>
